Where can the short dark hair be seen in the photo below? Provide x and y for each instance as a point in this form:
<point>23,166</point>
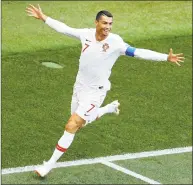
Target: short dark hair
<point>103,12</point>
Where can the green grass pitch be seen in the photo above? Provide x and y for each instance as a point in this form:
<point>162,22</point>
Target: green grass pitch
<point>155,97</point>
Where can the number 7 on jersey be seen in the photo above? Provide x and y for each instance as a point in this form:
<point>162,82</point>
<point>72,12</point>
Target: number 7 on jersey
<point>86,46</point>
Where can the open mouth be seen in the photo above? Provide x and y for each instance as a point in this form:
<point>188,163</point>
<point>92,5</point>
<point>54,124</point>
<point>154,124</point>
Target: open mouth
<point>106,31</point>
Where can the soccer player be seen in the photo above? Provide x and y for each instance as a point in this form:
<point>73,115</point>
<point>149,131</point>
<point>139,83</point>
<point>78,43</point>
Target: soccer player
<point>100,50</point>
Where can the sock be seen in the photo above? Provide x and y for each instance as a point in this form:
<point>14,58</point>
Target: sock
<point>63,144</point>
<point>102,111</point>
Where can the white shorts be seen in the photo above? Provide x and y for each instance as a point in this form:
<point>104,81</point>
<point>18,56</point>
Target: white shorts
<point>86,101</point>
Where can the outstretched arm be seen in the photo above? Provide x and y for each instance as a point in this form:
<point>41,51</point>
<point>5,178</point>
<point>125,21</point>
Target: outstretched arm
<point>37,13</point>
<point>155,56</point>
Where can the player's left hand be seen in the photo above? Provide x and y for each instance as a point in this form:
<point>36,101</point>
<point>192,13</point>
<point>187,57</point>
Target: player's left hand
<point>176,58</point>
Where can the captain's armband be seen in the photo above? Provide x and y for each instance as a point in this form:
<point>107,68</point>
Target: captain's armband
<point>130,51</point>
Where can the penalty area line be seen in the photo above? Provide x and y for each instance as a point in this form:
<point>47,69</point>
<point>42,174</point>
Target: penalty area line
<point>101,159</point>
<point>129,172</point>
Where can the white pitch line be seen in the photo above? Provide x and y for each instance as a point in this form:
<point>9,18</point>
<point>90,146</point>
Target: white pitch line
<point>129,172</point>
<point>101,159</point>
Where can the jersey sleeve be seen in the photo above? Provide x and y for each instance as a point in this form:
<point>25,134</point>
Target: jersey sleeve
<point>63,28</point>
<point>150,55</point>
<point>123,46</point>
<point>126,49</point>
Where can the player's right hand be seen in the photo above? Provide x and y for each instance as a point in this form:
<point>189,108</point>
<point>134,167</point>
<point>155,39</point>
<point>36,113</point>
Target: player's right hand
<point>35,12</point>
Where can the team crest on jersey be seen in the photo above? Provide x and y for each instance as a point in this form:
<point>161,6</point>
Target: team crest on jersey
<point>105,47</point>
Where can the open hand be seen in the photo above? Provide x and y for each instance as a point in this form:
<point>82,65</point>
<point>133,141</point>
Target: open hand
<point>176,58</point>
<point>35,12</point>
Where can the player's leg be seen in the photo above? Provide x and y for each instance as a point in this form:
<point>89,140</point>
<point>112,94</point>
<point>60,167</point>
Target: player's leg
<point>112,107</point>
<point>77,120</point>
<point>88,113</point>
<point>85,113</point>
<point>74,123</point>
<point>98,98</point>
<point>69,132</point>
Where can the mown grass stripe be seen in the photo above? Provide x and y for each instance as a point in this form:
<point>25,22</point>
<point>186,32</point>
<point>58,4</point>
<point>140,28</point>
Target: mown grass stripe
<point>102,159</point>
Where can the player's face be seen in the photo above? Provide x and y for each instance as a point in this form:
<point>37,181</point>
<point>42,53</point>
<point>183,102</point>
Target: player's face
<point>104,25</point>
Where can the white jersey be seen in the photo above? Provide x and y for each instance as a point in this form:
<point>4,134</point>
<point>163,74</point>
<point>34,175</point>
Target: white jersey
<point>97,57</point>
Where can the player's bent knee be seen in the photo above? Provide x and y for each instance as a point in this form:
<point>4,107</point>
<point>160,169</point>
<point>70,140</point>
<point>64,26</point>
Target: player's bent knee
<point>74,123</point>
<point>71,127</point>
